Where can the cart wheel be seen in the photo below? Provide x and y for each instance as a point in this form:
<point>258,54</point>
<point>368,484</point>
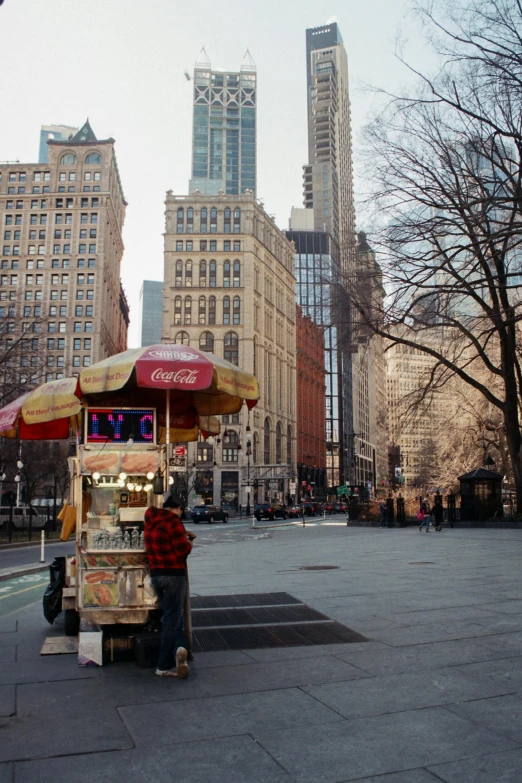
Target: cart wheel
<point>71,620</point>
<point>225,519</point>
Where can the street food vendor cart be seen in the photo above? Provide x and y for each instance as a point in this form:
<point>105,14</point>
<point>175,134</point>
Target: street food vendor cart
<point>125,412</point>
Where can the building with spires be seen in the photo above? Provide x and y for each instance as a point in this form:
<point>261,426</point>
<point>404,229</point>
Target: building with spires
<point>60,258</point>
<point>224,128</point>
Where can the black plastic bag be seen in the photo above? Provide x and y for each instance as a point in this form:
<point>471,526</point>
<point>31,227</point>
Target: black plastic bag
<point>52,599</point>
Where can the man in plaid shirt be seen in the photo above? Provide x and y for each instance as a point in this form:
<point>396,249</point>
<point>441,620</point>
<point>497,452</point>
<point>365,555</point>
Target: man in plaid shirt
<point>168,545</point>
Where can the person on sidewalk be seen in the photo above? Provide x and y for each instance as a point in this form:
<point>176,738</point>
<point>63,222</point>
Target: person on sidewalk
<point>424,515</point>
<point>438,514</point>
<point>168,545</point>
<point>383,514</point>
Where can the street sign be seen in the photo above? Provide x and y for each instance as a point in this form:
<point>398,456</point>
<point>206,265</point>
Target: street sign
<point>342,490</point>
<point>179,451</point>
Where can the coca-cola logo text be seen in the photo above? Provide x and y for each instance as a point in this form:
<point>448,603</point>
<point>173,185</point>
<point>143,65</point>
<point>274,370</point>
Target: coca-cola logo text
<point>180,355</point>
<point>185,376</point>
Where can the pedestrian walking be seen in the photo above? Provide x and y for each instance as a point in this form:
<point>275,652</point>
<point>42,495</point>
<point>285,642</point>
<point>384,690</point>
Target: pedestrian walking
<point>423,515</point>
<point>383,514</point>
<point>438,514</point>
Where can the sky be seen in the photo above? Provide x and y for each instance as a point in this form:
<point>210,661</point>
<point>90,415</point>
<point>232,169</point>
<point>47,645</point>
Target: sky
<point>121,63</point>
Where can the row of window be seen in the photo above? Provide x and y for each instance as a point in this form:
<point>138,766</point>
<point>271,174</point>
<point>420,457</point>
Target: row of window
<point>46,189</point>
<point>69,159</point>
<point>65,249</point>
<point>231,310</point>
<point>55,264</point>
<point>230,451</point>
<point>231,274</point>
<point>59,361</point>
<point>206,343</point>
<point>59,203</point>
<point>58,343</point>
<point>208,221</point>
<point>228,245</point>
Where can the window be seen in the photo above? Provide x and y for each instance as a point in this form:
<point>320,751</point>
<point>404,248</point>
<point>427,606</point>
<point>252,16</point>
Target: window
<point>93,158</point>
<point>188,274</point>
<point>237,274</point>
<point>88,326</point>
<point>205,453</point>
<point>9,220</point>
<point>92,249</point>
<point>76,361</point>
<point>237,221</point>
<point>212,310</point>
<point>83,217</point>
<point>77,344</point>
<point>179,245</point>
<point>212,274</point>
<point>177,310</point>
<point>279,443</point>
<point>203,244</point>
<point>190,220</point>
<point>94,217</point>
<point>68,217</point>
<point>202,310</point>
<point>80,263</point>
<point>182,338</point>
<point>203,223</point>
<point>203,274</point>
<point>88,310</point>
<point>188,310</point>
<point>226,310</point>
<point>51,344</point>
<point>68,160</point>
<point>86,361</point>
<point>236,312</point>
<point>206,342</point>
<point>78,310</point>
<point>226,274</point>
<point>84,203</point>
<point>232,348</point>
<point>82,248</point>
<point>27,311</point>
<point>227,221</point>
<point>77,326</point>
<point>230,446</point>
<point>266,441</point>
<point>213,220</point>
<point>180,224</point>
<point>87,344</point>
<point>87,176</point>
<point>179,273</point>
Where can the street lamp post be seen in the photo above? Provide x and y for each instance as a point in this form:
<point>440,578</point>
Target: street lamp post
<point>249,454</point>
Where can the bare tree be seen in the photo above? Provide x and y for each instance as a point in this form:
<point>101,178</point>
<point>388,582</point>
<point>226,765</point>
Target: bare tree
<point>445,166</point>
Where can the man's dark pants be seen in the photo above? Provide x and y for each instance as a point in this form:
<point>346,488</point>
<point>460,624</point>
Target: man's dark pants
<point>171,593</point>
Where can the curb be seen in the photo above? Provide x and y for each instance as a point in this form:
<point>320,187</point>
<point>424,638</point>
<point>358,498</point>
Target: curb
<point>22,571</point>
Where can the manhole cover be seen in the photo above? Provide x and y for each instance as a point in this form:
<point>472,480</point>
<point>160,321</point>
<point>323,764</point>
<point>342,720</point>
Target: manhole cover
<point>317,568</point>
<point>424,562</point>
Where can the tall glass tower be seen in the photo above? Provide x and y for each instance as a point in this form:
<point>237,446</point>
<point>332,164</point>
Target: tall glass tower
<point>224,128</point>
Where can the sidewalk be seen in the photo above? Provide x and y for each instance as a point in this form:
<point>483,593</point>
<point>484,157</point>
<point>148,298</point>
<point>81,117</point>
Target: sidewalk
<point>435,695</point>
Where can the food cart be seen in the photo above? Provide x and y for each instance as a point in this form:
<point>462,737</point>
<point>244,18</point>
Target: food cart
<point>125,413</point>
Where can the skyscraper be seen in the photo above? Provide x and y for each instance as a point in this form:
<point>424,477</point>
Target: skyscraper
<point>224,128</point>
<point>151,299</point>
<point>61,299</point>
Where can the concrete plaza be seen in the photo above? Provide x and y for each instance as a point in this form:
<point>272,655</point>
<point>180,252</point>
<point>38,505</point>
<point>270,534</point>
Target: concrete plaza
<point>434,695</point>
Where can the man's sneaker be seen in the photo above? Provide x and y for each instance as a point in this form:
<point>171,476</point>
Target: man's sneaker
<point>166,673</point>
<point>182,669</point>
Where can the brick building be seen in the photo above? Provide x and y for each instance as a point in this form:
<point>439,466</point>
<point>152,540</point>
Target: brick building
<point>311,404</point>
<point>61,223</point>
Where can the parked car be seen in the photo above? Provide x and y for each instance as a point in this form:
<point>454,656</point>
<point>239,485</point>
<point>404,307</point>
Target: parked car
<point>209,514</point>
<point>311,508</point>
<point>270,511</point>
<point>294,511</point>
<point>327,508</point>
<point>339,508</point>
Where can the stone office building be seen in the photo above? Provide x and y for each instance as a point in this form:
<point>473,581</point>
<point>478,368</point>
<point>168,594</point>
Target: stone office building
<point>229,289</point>
<point>61,252</point>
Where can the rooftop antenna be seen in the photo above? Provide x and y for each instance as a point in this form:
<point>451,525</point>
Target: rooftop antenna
<point>248,62</point>
<point>203,61</point>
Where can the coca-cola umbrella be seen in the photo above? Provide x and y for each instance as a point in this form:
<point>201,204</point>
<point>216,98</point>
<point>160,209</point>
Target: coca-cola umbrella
<point>45,413</point>
<point>195,386</point>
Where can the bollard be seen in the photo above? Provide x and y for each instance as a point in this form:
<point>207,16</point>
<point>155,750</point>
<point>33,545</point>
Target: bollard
<point>303,518</point>
<point>253,521</point>
<point>42,547</point>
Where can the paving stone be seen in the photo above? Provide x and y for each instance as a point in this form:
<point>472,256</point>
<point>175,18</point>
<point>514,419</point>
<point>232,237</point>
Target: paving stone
<point>137,688</point>
<point>224,715</point>
<point>209,660</point>
<point>83,732</point>
<point>399,692</point>
<point>407,776</point>
<point>437,632</point>
<point>500,713</point>
<point>495,768</point>
<point>311,651</point>
<point>8,654</point>
<point>7,625</point>
<point>454,614</point>
<point>7,700</point>
<point>505,672</point>
<point>233,759</point>
<point>45,668</point>
<point>506,607</point>
<point>6,773</point>
<point>375,746</point>
<point>383,659</point>
<point>285,674</point>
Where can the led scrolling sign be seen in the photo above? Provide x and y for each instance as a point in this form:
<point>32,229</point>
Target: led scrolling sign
<point>119,425</point>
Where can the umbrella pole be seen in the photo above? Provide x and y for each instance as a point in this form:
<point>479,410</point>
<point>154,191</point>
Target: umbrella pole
<point>167,441</point>
<point>188,617</point>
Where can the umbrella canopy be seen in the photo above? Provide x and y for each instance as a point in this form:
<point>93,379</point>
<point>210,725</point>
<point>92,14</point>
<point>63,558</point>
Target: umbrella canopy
<point>204,382</point>
<point>45,413</point>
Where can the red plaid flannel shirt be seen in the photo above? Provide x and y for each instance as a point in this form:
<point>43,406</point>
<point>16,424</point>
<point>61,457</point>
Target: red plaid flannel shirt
<point>166,542</point>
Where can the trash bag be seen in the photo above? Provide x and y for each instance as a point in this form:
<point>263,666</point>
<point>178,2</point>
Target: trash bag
<point>52,599</point>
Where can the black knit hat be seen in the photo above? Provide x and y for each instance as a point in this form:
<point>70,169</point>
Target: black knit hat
<point>174,501</point>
